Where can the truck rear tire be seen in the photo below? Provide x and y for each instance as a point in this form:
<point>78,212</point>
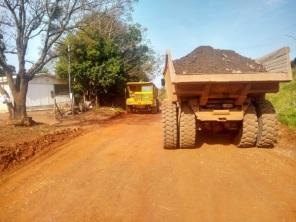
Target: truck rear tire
<point>170,126</point>
<point>267,123</point>
<point>187,128</point>
<point>247,135</point>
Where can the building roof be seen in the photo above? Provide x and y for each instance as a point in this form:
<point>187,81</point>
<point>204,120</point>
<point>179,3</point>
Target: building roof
<point>48,79</point>
<point>41,78</point>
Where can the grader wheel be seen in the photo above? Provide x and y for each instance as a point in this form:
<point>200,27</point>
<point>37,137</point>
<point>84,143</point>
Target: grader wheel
<point>267,124</point>
<point>187,128</point>
<point>129,109</point>
<point>170,127</point>
<point>248,133</point>
<point>155,109</point>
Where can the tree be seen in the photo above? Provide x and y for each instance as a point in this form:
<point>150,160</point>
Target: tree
<point>48,20</point>
<point>140,60</point>
<point>104,55</point>
<point>293,63</point>
<point>95,64</point>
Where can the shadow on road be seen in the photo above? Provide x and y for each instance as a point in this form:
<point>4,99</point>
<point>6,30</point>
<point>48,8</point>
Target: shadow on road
<point>223,138</point>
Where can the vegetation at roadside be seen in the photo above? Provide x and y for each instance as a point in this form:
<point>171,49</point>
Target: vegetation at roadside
<point>105,53</point>
<point>285,102</point>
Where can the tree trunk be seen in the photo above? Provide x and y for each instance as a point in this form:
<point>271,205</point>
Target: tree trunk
<point>10,110</point>
<point>19,104</point>
<point>97,99</point>
<point>20,111</point>
<point>84,98</point>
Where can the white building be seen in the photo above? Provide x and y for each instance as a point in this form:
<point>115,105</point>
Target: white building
<point>40,91</point>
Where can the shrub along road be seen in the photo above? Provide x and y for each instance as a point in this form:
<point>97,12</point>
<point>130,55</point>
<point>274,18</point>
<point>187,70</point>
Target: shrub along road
<point>120,172</point>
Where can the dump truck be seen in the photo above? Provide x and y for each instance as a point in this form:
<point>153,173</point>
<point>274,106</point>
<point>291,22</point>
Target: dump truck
<point>200,101</point>
<point>142,96</point>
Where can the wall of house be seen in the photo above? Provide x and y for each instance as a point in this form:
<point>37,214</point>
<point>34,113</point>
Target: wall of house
<point>39,93</point>
<point>3,107</point>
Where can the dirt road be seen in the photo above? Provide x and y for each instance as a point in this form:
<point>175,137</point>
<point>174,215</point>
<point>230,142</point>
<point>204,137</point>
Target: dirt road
<point>119,172</point>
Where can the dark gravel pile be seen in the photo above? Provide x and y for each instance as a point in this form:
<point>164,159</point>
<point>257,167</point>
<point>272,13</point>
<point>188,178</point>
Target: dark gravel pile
<point>206,59</point>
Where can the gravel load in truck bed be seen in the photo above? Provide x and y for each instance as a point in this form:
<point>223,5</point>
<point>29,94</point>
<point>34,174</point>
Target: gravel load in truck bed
<point>206,59</point>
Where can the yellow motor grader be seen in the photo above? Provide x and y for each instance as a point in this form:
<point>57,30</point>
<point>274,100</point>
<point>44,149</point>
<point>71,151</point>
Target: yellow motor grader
<point>142,96</point>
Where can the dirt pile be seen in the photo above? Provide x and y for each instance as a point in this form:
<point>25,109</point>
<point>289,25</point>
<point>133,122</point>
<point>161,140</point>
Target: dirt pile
<point>19,152</point>
<point>206,59</point>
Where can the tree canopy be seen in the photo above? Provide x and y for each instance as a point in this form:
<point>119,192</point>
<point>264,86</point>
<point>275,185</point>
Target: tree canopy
<point>105,55</point>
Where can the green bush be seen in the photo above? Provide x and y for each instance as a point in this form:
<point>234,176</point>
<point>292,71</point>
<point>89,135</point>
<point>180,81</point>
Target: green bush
<point>285,102</point>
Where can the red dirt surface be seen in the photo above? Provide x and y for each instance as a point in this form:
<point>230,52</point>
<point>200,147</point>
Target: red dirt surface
<point>10,134</point>
<point>18,144</point>
<point>206,59</point>
<point>19,152</point>
<point>120,172</point>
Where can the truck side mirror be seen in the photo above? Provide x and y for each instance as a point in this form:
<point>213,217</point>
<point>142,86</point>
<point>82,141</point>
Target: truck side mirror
<point>162,82</point>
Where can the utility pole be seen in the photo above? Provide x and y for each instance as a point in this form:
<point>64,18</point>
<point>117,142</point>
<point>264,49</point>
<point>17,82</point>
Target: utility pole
<point>69,79</point>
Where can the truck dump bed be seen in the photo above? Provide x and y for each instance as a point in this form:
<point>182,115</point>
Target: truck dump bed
<point>229,85</point>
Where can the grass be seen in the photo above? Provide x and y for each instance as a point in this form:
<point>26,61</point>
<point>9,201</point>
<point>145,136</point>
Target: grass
<point>285,102</point>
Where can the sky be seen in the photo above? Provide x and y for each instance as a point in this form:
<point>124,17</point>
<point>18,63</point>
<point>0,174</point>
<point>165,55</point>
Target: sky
<point>253,28</point>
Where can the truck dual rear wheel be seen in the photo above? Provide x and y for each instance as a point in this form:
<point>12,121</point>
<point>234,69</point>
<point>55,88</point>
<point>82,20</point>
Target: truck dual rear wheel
<point>170,125</point>
<point>247,135</point>
<point>187,128</point>
<point>267,123</point>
